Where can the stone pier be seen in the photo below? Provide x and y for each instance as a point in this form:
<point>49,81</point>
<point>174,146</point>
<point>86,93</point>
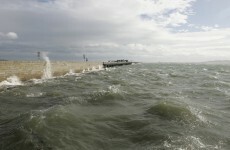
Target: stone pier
<point>26,70</point>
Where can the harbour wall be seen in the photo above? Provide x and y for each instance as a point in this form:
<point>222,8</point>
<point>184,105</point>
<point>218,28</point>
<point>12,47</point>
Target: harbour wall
<point>26,70</point>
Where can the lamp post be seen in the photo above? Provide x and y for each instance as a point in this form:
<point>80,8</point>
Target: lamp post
<point>39,55</point>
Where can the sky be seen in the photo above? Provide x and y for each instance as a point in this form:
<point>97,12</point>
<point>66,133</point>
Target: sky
<point>138,30</point>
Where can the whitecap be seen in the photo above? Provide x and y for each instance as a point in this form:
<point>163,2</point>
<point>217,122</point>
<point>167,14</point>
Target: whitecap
<point>114,89</point>
<point>71,73</point>
<point>198,114</point>
<point>189,142</point>
<point>35,94</point>
<point>77,78</point>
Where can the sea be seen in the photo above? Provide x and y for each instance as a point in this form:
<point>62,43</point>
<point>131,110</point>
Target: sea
<point>148,106</point>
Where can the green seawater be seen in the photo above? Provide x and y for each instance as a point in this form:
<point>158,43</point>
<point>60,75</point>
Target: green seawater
<point>138,107</point>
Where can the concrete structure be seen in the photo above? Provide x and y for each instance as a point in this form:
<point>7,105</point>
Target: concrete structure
<point>116,63</point>
<point>26,70</point>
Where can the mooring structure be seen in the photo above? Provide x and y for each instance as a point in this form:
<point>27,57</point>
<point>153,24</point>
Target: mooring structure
<point>116,63</point>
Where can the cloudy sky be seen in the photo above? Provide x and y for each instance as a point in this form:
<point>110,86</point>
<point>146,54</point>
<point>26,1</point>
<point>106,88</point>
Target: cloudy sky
<point>140,30</point>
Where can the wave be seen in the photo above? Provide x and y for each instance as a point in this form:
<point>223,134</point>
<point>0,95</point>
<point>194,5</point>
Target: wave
<point>190,142</point>
<point>19,132</point>
<point>169,111</point>
<point>122,108</point>
<point>177,75</point>
<point>111,96</point>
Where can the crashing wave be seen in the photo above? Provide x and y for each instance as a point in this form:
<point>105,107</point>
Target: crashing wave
<point>11,81</point>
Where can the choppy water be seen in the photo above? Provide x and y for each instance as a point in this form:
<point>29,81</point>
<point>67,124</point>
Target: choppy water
<point>144,106</point>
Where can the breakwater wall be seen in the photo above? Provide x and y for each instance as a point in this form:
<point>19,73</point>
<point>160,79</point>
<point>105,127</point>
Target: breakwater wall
<point>26,70</point>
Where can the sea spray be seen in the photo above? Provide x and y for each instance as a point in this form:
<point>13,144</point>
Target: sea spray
<point>71,72</point>
<point>97,68</point>
<point>100,67</point>
<point>47,72</point>
<point>93,68</point>
<point>11,81</point>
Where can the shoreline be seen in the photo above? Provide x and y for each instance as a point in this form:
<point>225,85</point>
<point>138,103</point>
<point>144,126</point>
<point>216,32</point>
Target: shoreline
<point>26,70</point>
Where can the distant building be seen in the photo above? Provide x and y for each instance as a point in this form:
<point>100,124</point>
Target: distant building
<point>84,57</point>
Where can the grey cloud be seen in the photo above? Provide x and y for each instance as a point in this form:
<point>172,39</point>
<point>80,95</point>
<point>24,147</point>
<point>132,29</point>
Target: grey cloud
<point>102,29</point>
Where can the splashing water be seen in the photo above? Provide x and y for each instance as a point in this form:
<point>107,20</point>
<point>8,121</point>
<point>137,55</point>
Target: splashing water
<point>71,72</point>
<point>100,67</point>
<point>47,72</point>
<point>93,68</point>
<point>11,81</point>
